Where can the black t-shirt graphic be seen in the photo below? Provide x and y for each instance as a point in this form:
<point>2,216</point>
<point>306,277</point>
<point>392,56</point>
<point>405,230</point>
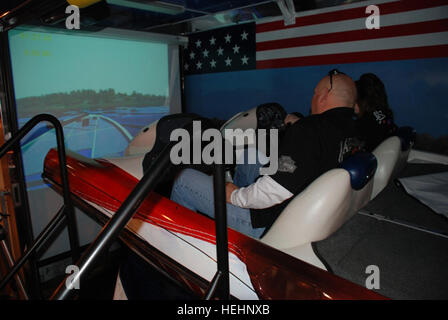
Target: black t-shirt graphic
<point>310,147</point>
<point>375,127</point>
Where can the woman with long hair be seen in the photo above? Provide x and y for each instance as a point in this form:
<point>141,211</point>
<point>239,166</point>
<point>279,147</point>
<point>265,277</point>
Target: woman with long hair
<point>376,120</point>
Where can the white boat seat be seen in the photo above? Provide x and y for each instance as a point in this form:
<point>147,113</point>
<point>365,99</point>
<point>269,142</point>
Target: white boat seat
<point>407,137</point>
<point>387,154</point>
<point>143,142</point>
<point>265,116</point>
<point>322,208</point>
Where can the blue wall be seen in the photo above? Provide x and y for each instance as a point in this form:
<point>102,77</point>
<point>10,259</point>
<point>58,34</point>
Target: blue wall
<point>417,90</point>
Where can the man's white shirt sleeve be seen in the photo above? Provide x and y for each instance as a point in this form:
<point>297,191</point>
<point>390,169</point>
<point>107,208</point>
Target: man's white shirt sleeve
<point>264,193</point>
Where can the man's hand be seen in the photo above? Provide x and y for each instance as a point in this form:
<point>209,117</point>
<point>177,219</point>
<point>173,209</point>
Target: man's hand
<point>291,118</point>
<point>230,187</point>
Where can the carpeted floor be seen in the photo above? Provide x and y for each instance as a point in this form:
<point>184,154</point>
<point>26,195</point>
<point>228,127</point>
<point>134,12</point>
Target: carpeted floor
<point>413,263</point>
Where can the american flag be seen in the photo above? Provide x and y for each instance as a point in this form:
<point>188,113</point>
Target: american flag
<point>220,50</point>
<point>409,29</point>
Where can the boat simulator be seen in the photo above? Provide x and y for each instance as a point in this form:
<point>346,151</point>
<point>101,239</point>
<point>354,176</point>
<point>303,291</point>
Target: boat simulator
<point>228,150</point>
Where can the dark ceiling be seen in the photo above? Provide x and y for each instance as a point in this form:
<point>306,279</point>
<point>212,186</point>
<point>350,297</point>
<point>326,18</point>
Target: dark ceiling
<point>179,17</point>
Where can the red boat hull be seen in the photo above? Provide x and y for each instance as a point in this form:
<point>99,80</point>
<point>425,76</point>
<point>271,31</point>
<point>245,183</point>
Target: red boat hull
<point>273,274</point>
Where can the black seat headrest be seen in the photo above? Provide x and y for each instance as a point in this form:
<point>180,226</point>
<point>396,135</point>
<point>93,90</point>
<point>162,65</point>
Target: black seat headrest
<point>270,116</point>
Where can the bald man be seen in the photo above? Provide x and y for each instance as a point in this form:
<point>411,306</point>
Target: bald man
<point>309,147</point>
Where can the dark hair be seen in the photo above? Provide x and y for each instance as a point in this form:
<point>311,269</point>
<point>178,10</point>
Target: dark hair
<point>297,114</point>
<point>372,95</point>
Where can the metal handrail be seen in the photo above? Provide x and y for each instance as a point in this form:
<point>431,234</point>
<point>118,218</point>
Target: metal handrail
<point>113,227</point>
<point>220,283</point>
<point>66,213</point>
<point>117,223</point>
<point>219,286</point>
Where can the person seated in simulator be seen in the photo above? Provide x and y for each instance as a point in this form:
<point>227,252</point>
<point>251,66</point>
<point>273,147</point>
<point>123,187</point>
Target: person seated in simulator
<point>376,120</point>
<point>291,118</point>
<point>246,172</point>
<point>309,147</point>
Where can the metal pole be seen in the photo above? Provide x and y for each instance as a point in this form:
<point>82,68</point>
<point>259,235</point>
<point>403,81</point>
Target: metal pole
<point>113,228</point>
<point>71,223</point>
<point>10,261</point>
<point>70,212</point>
<point>23,216</point>
<point>222,245</point>
<point>213,286</point>
<point>43,237</point>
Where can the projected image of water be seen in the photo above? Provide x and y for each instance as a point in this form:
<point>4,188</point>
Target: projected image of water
<point>103,90</point>
<point>93,134</point>
<point>103,87</point>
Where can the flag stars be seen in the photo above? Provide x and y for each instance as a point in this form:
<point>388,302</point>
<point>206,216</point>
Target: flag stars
<point>229,50</point>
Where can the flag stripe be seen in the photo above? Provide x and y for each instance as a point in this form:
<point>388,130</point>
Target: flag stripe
<point>384,32</point>
<point>407,29</point>
<point>355,57</point>
<point>432,39</point>
<point>348,14</point>
<point>415,16</point>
